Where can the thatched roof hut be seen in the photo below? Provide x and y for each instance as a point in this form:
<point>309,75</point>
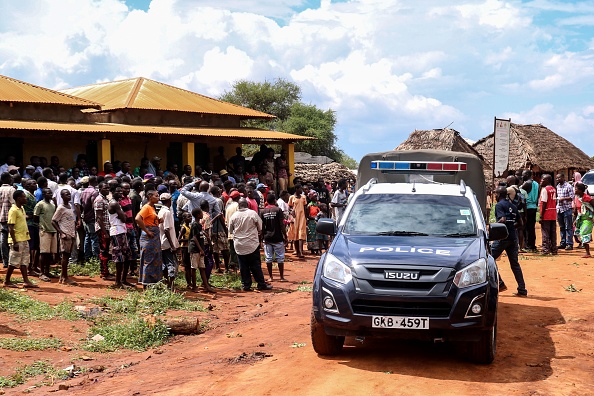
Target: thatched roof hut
<point>437,139</point>
<point>538,148</point>
<point>443,139</point>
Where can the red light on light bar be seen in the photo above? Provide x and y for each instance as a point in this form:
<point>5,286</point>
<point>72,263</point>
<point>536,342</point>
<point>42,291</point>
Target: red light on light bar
<point>450,166</point>
<point>463,166</point>
<point>434,166</point>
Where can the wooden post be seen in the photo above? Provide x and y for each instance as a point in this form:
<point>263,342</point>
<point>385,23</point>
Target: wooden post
<point>188,155</point>
<point>103,153</point>
<point>290,148</point>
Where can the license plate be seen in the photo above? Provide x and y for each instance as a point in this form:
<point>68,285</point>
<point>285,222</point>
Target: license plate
<point>399,322</point>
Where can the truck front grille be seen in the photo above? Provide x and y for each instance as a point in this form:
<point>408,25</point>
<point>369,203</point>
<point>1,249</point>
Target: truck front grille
<point>399,308</point>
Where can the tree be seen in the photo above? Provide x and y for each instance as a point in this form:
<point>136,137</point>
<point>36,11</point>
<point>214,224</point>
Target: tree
<point>282,99</point>
<point>308,120</point>
<point>273,98</point>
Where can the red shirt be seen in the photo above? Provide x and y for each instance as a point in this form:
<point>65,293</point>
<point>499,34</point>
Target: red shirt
<point>548,203</point>
<point>252,204</point>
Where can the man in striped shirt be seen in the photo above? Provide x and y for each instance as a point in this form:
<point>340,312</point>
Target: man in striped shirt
<point>565,197</point>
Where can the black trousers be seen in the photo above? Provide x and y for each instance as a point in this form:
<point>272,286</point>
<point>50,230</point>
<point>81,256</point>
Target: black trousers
<point>251,264</point>
<point>530,231</point>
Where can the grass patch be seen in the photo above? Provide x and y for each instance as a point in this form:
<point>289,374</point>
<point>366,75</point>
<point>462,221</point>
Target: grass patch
<point>90,268</point>
<point>28,308</point>
<point>25,373</point>
<point>304,288</point>
<point>29,344</point>
<point>136,334</point>
<point>156,300</point>
<point>226,281</point>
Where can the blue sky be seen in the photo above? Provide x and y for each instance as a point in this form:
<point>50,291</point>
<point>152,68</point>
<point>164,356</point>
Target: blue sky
<point>386,67</point>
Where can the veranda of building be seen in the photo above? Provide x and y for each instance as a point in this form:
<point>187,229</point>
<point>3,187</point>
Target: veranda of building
<point>125,120</point>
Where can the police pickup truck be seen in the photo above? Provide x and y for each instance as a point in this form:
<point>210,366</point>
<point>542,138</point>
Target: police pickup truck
<point>410,257</point>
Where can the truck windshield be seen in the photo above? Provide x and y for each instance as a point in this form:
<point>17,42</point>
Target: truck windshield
<point>392,214</point>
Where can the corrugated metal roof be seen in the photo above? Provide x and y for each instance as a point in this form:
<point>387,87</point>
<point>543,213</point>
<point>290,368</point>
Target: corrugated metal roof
<point>245,133</point>
<point>146,94</point>
<point>12,90</point>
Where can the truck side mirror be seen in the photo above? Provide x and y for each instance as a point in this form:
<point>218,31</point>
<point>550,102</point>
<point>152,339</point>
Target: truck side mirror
<point>326,227</point>
<point>497,231</point>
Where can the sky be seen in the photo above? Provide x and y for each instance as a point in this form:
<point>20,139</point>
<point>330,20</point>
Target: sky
<point>385,67</point>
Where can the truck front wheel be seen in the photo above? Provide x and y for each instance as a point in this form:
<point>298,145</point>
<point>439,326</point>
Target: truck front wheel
<point>323,343</point>
<point>483,350</point>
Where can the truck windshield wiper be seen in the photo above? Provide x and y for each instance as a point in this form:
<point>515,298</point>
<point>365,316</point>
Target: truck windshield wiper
<point>460,234</point>
<point>405,233</point>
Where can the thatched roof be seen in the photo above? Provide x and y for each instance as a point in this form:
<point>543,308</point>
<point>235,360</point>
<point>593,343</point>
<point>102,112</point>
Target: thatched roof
<point>440,139</point>
<point>537,145</point>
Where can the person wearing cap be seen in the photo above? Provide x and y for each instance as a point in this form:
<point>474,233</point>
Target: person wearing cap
<point>29,170</point>
<point>246,226</point>
<point>226,176</point>
<point>507,213</point>
<point>169,242</point>
<point>148,177</point>
<point>230,209</point>
<point>155,165</point>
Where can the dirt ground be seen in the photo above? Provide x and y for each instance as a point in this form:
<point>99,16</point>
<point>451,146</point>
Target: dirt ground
<point>259,343</point>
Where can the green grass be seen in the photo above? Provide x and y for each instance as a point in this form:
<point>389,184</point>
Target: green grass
<point>226,281</point>
<point>27,308</point>
<point>304,288</point>
<point>136,334</point>
<point>29,344</point>
<point>89,268</point>
<point>156,300</point>
<point>25,373</point>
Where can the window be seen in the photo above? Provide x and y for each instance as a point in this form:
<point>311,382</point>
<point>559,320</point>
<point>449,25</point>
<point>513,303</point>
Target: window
<point>392,214</point>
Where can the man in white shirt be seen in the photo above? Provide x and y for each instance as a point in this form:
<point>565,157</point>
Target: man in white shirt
<point>169,242</point>
<point>246,226</point>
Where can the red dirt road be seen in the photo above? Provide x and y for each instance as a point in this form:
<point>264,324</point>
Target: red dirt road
<point>254,345</point>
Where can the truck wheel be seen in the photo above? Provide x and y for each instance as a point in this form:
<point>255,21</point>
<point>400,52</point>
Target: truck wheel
<point>483,350</point>
<point>323,343</point>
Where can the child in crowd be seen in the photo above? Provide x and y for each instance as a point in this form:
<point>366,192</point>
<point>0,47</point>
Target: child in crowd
<point>184,237</point>
<point>322,239</point>
<point>196,248</point>
<point>206,224</point>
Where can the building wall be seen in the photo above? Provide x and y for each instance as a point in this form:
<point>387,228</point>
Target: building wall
<point>40,112</point>
<point>65,149</point>
<point>161,117</point>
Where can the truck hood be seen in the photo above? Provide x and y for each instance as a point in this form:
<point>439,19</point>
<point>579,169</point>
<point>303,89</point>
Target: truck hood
<point>416,250</point>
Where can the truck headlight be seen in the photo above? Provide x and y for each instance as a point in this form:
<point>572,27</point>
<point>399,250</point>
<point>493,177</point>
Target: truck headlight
<point>336,270</point>
<point>473,274</point>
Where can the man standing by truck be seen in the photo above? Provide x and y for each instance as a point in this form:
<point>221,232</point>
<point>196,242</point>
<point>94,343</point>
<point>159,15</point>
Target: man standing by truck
<point>507,213</point>
<point>531,188</point>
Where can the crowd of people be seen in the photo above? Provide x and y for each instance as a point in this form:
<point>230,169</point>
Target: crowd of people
<point>563,207</point>
<point>149,221</point>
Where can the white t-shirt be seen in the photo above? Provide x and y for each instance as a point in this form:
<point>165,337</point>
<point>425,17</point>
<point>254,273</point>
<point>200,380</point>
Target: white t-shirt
<point>167,225</point>
<point>74,195</point>
<point>283,205</point>
<point>339,198</point>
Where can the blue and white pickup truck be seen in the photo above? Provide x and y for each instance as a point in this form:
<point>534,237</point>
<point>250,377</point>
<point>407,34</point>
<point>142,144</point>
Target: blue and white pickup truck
<point>410,257</point>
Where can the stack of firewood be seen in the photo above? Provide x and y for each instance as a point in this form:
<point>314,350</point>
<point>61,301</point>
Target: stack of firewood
<point>310,173</point>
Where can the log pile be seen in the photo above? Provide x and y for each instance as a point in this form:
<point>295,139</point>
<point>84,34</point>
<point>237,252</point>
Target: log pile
<point>329,172</point>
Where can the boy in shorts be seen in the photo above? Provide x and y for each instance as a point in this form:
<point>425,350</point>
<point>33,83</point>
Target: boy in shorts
<point>196,249</point>
<point>18,237</point>
<point>64,221</point>
<point>48,244</point>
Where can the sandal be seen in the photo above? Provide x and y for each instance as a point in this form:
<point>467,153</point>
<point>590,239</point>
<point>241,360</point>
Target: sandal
<point>44,278</point>
<point>30,286</point>
<point>11,285</point>
<point>586,256</point>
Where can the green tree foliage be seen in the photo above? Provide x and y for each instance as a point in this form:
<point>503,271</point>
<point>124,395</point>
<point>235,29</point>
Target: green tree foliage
<point>274,98</point>
<point>282,99</point>
<point>308,120</point>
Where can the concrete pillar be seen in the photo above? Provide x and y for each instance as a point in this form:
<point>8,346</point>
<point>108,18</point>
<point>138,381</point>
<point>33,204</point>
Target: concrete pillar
<point>290,148</point>
<point>188,155</point>
<point>103,153</point>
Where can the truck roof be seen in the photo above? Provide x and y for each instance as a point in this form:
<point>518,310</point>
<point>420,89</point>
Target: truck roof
<point>473,176</point>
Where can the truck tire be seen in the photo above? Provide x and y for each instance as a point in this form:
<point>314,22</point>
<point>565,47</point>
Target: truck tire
<point>483,350</point>
<point>323,343</point>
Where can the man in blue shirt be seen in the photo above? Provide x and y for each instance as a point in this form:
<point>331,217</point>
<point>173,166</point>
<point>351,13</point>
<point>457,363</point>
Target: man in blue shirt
<point>507,213</point>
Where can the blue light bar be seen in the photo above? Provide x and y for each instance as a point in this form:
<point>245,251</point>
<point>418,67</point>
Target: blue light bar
<point>419,166</point>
